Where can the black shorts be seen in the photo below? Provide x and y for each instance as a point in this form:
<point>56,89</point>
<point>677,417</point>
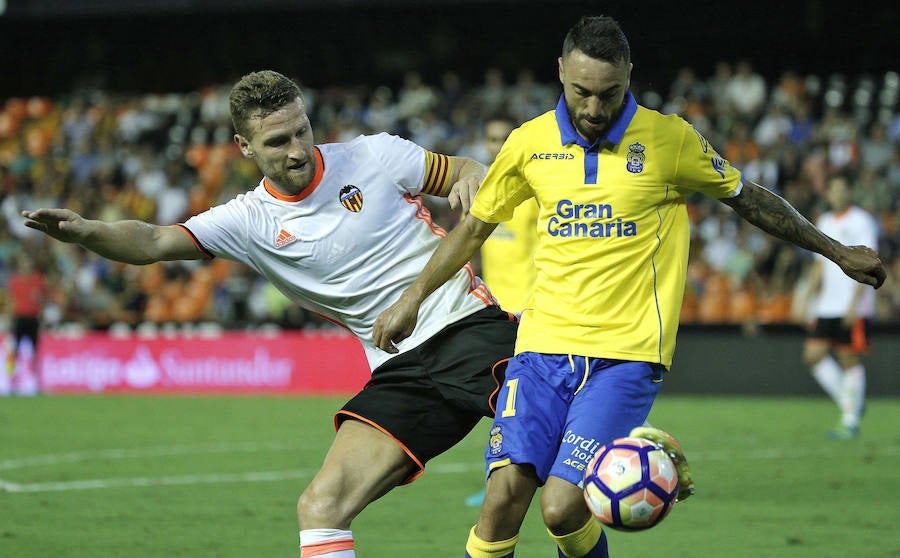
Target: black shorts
<point>26,327</point>
<point>430,397</point>
<point>832,331</point>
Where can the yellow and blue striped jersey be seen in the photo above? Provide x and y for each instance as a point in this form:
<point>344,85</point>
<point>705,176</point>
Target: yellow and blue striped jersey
<point>613,230</point>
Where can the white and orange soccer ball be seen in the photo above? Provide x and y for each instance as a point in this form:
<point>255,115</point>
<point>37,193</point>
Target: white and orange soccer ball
<point>630,484</point>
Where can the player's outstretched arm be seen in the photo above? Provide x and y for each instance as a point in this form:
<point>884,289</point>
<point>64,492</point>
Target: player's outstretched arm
<point>777,217</point>
<point>398,322</point>
<point>133,242</point>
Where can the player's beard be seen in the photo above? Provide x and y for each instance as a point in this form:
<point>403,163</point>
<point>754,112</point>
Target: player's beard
<point>591,131</point>
<point>294,181</point>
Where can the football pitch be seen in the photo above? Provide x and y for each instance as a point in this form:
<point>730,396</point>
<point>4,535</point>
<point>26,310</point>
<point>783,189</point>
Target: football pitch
<point>141,477</point>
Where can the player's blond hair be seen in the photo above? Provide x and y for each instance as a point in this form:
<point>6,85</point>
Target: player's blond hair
<point>259,94</point>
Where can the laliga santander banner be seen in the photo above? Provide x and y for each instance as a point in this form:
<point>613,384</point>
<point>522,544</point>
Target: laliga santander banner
<point>230,362</point>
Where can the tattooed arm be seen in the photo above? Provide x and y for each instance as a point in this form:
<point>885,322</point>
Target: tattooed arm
<point>777,217</point>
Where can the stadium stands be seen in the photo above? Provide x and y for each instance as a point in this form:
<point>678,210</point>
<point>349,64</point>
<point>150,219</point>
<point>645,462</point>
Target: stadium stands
<point>164,157</point>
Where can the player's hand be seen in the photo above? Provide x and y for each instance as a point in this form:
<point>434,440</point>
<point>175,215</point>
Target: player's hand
<point>670,445</point>
<point>61,224</point>
<point>862,264</point>
<point>395,324</point>
<point>463,192</point>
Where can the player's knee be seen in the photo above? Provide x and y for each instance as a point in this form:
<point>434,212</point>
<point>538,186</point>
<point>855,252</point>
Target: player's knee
<point>812,355</point>
<point>320,509</point>
<point>563,516</point>
<point>848,360</point>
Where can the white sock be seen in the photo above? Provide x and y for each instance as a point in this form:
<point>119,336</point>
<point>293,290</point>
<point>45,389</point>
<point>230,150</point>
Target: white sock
<point>831,377</point>
<point>326,543</point>
<point>854,395</point>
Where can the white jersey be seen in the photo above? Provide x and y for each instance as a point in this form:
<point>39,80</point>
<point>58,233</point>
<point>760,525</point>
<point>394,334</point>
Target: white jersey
<point>349,244</point>
<point>854,226</point>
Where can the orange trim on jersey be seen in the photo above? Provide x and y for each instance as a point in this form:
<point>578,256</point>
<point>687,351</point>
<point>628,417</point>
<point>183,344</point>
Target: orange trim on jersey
<point>207,255</point>
<point>314,183</point>
<point>843,213</point>
<point>477,288</point>
<point>492,400</point>
<point>318,549</point>
<point>332,320</point>
<point>406,450</point>
<point>424,214</point>
<point>437,173</point>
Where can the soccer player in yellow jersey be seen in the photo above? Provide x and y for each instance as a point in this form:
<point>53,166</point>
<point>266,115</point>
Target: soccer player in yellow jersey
<point>610,178</point>
<point>507,256</point>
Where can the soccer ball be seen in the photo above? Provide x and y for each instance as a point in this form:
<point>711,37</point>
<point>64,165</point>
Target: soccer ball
<point>630,484</point>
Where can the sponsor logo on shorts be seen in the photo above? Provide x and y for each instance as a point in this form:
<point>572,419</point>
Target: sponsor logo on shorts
<point>583,449</point>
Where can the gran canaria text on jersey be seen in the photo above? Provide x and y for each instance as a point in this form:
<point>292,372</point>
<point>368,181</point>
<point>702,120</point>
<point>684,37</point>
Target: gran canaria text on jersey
<point>584,220</point>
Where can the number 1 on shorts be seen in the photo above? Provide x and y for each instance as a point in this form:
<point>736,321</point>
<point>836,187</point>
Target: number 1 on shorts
<point>510,409</point>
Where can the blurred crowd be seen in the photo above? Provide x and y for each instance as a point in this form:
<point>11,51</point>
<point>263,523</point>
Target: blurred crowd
<point>164,157</point>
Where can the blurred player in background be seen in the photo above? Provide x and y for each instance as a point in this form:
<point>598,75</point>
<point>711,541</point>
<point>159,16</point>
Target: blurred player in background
<point>611,179</point>
<point>507,256</point>
<point>27,294</point>
<point>842,309</point>
<point>341,230</point>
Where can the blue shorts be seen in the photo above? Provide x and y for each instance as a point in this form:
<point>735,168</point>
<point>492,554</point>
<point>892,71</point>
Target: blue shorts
<point>555,411</point>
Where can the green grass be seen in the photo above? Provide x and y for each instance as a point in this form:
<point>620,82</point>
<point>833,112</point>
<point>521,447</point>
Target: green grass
<point>141,477</point>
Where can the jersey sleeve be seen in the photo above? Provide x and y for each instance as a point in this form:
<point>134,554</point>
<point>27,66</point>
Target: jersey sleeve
<point>701,169</point>
<point>221,230</point>
<point>406,162</point>
<point>505,186</point>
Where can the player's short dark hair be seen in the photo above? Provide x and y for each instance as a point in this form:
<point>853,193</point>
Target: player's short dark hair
<point>500,116</point>
<point>259,94</point>
<point>599,37</point>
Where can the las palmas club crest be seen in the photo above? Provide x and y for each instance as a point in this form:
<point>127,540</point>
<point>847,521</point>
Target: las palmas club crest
<point>351,198</point>
<point>636,158</point>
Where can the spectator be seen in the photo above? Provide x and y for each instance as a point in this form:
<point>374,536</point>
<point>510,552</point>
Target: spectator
<point>746,92</point>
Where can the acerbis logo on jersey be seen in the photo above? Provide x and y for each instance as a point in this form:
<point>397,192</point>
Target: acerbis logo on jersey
<point>351,198</point>
<point>284,238</point>
<point>548,156</point>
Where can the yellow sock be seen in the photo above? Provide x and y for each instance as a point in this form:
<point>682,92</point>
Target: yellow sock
<point>581,542</point>
<point>477,548</point>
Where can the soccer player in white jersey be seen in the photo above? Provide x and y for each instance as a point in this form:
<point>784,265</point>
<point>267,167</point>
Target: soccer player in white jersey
<point>341,230</point>
<point>610,178</point>
<point>842,309</point>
